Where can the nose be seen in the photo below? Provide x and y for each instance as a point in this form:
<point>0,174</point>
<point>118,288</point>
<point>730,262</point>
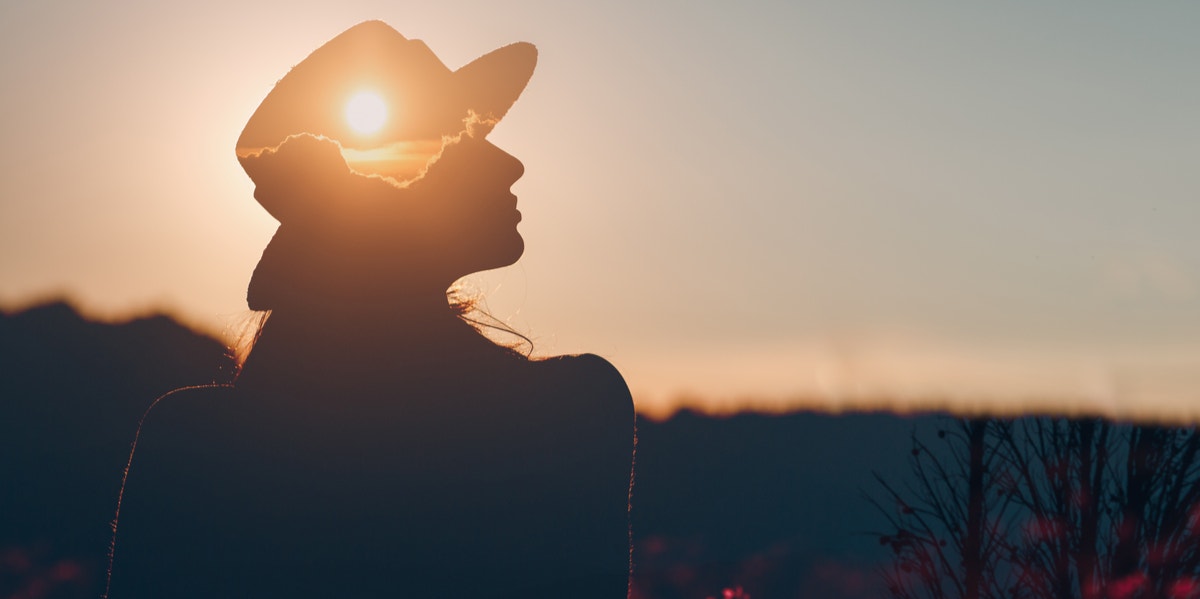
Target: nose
<point>505,166</point>
<point>473,164</point>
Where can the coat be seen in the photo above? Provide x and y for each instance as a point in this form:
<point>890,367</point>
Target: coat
<point>502,477</point>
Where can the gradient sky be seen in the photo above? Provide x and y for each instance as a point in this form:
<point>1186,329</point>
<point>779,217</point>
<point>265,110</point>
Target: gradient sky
<point>756,204</point>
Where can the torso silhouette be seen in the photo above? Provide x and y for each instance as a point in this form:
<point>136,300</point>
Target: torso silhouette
<point>361,459</point>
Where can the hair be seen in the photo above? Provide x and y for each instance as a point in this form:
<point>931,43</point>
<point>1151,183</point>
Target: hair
<point>467,306</point>
<point>245,334</point>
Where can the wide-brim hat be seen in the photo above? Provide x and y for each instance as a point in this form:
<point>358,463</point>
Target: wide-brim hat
<point>426,103</point>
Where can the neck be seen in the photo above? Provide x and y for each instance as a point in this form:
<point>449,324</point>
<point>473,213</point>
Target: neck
<point>362,337</point>
<point>410,314</point>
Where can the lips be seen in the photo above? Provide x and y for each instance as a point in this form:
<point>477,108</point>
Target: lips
<point>516,213</point>
<point>498,209</point>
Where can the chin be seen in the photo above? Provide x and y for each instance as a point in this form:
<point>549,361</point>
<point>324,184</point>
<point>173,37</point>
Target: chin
<point>497,255</point>
<point>511,252</point>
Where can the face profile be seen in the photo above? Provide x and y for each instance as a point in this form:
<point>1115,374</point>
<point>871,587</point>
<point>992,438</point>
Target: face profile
<point>351,234</point>
<point>373,156</point>
<point>472,212</point>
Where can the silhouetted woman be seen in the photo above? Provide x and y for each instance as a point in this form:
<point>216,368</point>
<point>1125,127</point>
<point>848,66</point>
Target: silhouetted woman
<point>375,443</point>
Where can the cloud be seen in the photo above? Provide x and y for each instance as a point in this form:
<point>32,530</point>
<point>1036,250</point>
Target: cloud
<point>304,171</point>
<point>307,177</point>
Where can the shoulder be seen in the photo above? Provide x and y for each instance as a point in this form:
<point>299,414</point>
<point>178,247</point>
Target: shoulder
<point>589,367</point>
<point>184,447</point>
<point>187,409</point>
<point>584,370</point>
<point>188,399</point>
<point>180,428</point>
<point>592,381</point>
<point>159,497</point>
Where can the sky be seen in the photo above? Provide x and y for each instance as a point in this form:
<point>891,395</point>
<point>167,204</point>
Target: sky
<point>762,205</point>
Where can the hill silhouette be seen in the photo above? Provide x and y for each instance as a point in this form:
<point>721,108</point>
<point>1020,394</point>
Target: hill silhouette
<point>770,503</point>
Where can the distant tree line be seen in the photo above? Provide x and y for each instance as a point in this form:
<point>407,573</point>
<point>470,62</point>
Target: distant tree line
<point>1046,508</point>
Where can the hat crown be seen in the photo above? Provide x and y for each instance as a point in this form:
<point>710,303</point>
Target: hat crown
<point>372,56</point>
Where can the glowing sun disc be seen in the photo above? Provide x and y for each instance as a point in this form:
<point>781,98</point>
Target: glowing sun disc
<point>366,112</point>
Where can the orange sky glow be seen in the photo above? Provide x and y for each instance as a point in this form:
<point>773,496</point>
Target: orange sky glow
<point>820,207</point>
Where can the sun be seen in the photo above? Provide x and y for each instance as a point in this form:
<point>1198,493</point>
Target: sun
<point>366,112</point>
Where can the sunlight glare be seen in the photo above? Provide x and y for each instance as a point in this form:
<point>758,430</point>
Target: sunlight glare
<point>366,112</point>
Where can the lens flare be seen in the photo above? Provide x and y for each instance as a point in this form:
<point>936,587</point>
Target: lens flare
<point>366,112</point>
